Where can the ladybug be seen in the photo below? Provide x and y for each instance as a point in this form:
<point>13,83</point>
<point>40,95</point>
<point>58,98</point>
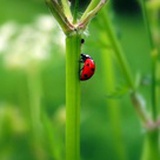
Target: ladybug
<point>88,68</point>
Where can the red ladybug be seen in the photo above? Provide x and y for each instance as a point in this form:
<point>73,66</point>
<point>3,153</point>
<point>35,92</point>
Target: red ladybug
<point>88,68</point>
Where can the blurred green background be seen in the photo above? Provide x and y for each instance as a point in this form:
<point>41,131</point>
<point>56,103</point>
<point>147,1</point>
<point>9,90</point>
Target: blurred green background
<point>32,72</point>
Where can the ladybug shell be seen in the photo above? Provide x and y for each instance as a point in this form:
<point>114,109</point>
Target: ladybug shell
<point>88,69</point>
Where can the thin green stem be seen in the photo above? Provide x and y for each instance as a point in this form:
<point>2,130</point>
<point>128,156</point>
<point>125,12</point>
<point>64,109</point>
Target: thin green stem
<point>113,42</point>
<point>34,96</point>
<point>54,141</point>
<point>158,80</point>
<point>146,21</point>
<point>118,51</point>
<point>73,97</point>
<point>154,98</point>
<point>90,7</point>
<point>89,14</point>
<point>151,146</point>
<point>34,91</point>
<point>153,59</point>
<point>75,12</point>
<point>66,9</point>
<point>140,108</point>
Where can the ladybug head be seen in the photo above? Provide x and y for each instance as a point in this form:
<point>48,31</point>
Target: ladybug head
<point>85,56</point>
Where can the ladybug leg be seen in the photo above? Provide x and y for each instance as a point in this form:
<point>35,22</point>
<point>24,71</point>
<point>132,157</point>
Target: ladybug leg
<point>81,59</point>
<point>80,71</point>
<point>81,67</point>
<point>81,62</point>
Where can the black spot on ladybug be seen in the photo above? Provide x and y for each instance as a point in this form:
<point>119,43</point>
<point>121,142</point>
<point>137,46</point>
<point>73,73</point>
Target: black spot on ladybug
<point>85,75</point>
<point>87,64</point>
<point>92,69</point>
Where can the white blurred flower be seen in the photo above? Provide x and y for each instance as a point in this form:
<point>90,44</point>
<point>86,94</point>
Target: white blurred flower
<point>34,42</point>
<point>46,23</point>
<point>7,31</point>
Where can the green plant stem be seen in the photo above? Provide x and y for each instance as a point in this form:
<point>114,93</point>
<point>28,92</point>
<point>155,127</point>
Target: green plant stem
<point>75,12</point>
<point>118,51</point>
<point>151,138</point>
<point>73,44</point>
<point>90,7</point>
<point>158,80</point>
<point>88,15</point>
<point>115,45</point>
<point>34,91</point>
<point>154,95</point>
<point>153,59</point>
<point>112,105</point>
<point>151,146</point>
<point>146,21</point>
<point>54,141</point>
<point>140,108</point>
<point>34,88</point>
<point>66,9</point>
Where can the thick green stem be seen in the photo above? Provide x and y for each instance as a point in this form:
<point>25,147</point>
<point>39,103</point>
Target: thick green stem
<point>73,44</point>
<point>73,31</point>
